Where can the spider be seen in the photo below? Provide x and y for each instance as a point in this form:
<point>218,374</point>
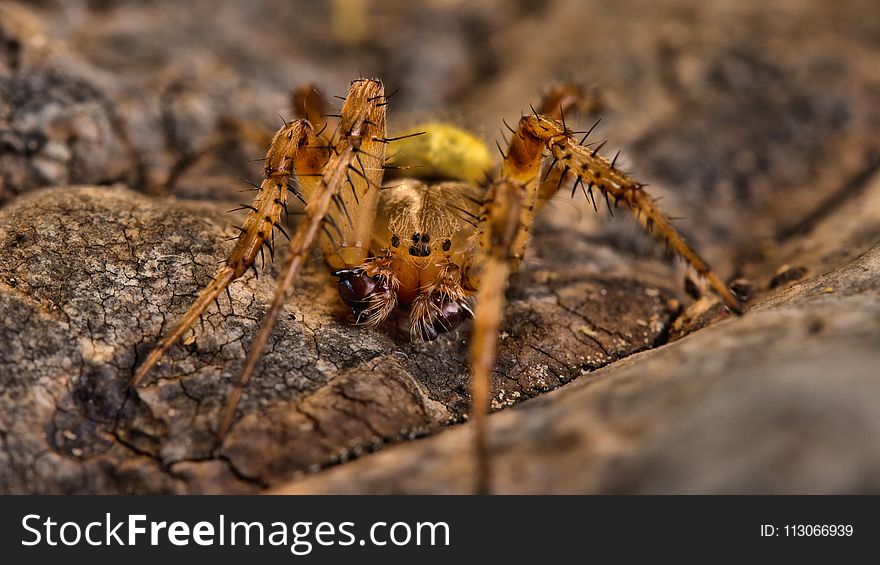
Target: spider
<point>435,243</point>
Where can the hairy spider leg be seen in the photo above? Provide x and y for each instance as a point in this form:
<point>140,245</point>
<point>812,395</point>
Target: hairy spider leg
<point>592,170</point>
<point>505,221</point>
<point>501,236</point>
<point>357,159</point>
<point>292,146</point>
<point>309,103</point>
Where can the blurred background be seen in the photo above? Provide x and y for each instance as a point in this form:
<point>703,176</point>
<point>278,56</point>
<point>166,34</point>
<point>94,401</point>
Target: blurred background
<point>756,113</point>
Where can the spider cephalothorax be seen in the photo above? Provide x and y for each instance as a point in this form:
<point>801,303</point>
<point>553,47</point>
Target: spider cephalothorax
<point>420,256</point>
<point>436,245</point>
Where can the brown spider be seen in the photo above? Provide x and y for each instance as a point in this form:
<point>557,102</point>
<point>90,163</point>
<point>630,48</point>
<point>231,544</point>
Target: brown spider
<point>427,246</point>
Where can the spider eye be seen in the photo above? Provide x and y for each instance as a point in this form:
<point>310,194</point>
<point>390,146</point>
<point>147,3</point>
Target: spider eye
<point>355,288</point>
<point>395,240</point>
<point>419,247</point>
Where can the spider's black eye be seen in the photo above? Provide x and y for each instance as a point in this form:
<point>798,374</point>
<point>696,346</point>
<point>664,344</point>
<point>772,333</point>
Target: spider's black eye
<point>420,250</point>
<point>395,240</point>
<point>419,247</point>
<point>447,245</point>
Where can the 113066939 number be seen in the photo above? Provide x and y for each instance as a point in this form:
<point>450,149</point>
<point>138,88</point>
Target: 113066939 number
<point>817,530</point>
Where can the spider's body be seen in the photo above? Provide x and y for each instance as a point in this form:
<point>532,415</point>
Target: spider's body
<point>421,253</point>
<point>433,245</point>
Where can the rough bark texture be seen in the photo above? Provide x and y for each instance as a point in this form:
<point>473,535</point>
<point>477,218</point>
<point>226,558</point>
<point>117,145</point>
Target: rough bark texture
<point>755,120</point>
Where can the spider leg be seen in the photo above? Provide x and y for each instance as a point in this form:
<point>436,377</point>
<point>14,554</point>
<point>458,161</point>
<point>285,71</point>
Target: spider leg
<point>502,234</point>
<point>289,148</point>
<point>505,221</point>
<point>498,235</point>
<point>309,103</point>
<point>592,170</point>
<point>559,101</point>
<point>346,237</point>
<point>359,145</point>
